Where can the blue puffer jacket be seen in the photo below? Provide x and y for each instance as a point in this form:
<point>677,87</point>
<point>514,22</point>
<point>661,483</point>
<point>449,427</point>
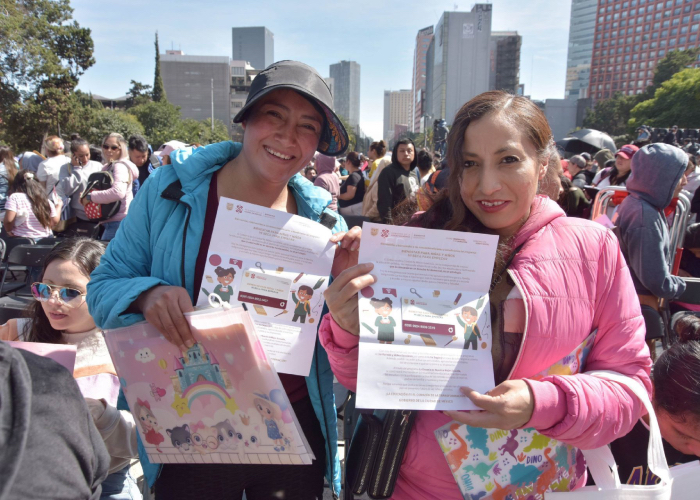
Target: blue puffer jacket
<point>158,244</point>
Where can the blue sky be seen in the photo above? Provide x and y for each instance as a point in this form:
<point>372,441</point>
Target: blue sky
<point>379,35</point>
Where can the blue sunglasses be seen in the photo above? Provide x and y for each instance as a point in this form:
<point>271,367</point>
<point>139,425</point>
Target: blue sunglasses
<point>68,296</point>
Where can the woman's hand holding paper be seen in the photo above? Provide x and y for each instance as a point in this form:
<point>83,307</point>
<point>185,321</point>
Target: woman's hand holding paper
<point>346,252</point>
<point>341,296</point>
<point>507,406</point>
<point>163,307</point>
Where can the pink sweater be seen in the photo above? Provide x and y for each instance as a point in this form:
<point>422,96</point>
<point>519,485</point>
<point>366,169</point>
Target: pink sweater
<point>573,280</point>
<point>124,173</point>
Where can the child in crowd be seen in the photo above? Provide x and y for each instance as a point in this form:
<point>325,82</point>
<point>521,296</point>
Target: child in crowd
<point>60,316</point>
<point>676,401</point>
<point>28,211</point>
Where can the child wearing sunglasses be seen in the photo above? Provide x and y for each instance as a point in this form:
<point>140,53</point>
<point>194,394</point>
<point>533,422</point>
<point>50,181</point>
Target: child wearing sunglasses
<point>60,316</point>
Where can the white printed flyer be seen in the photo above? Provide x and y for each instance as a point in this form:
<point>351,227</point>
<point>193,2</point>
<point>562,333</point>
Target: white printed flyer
<point>278,264</point>
<point>425,325</point>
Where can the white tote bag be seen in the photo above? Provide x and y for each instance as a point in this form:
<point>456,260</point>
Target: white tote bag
<point>678,483</point>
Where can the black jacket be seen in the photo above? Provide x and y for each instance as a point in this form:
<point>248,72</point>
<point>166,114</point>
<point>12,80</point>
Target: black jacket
<point>394,185</point>
<point>49,446</point>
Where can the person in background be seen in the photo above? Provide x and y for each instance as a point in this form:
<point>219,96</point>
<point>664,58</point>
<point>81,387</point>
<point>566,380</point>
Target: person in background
<point>378,162</point>
<point>425,167</point>
<point>163,153</point>
<point>116,153</point>
<point>395,183</point>
<point>620,172</point>
<point>60,315</point>
<point>676,402</point>
<point>601,158</point>
<point>96,154</point>
<point>327,178</point>
<point>140,155</point>
<point>573,200</point>
<point>48,170</point>
<point>590,169</point>
<point>30,160</point>
<point>8,171</point>
<point>28,211</point>
<point>376,153</point>
<point>352,191</point>
<point>50,446</point>
<point>690,261</point>
<point>672,137</point>
<point>310,173</point>
<point>73,180</point>
<point>577,165</point>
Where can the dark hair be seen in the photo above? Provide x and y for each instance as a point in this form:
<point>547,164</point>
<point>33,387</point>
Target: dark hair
<point>470,310</point>
<point>676,374</point>
<point>394,153</point>
<point>221,272</point>
<point>378,147</point>
<point>449,211</point>
<point>78,143</point>
<point>615,178</point>
<point>25,182</point>
<point>354,158</point>
<point>8,159</point>
<point>377,303</point>
<point>95,154</point>
<point>74,137</point>
<point>692,236</point>
<point>305,288</point>
<point>138,143</point>
<point>424,160</point>
<point>85,253</point>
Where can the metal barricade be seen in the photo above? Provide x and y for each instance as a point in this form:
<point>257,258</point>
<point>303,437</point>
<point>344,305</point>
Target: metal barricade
<point>604,199</point>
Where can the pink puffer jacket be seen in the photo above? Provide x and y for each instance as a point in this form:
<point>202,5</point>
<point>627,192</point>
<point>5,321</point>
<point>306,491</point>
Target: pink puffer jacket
<point>573,280</point>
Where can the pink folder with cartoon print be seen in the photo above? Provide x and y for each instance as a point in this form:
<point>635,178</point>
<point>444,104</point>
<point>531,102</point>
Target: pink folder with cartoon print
<point>220,401</point>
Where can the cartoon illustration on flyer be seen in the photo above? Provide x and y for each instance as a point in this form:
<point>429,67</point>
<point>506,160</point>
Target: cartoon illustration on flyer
<point>220,401</point>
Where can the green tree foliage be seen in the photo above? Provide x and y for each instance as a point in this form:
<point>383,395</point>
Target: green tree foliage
<point>199,132</point>
<point>611,115</point>
<point>676,101</point>
<point>158,88</point>
<point>138,94</point>
<point>672,63</point>
<point>161,121</point>
<point>42,54</point>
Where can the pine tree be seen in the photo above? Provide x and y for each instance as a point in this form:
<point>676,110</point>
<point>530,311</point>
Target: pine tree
<point>158,89</point>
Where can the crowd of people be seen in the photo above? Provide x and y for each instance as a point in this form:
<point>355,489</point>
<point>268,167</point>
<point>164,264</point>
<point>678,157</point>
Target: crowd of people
<point>558,281</point>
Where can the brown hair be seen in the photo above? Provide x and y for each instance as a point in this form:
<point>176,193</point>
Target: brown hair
<point>379,147</point>
<point>8,159</point>
<point>354,158</point>
<point>25,182</point>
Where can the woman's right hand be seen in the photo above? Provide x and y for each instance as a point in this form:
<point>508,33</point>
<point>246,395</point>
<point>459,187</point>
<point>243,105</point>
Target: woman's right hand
<point>341,296</point>
<point>163,307</point>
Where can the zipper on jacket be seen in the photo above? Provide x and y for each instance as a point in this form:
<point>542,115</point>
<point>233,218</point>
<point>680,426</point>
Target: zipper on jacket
<point>527,321</point>
<point>184,242</point>
<point>403,428</point>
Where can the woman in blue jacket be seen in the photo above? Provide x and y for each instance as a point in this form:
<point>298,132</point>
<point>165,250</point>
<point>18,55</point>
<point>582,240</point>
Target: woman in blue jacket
<point>155,264</point>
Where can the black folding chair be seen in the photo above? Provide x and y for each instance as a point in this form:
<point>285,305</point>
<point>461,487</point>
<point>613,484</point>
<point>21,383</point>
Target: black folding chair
<point>29,257</point>
<point>8,313</point>
<point>53,241</point>
<point>9,244</point>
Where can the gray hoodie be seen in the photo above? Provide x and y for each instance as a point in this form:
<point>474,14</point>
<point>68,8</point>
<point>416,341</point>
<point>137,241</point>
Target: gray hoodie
<point>644,239</point>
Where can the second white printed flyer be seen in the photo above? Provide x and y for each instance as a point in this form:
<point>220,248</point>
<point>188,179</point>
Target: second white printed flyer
<point>425,325</point>
<point>277,264</point>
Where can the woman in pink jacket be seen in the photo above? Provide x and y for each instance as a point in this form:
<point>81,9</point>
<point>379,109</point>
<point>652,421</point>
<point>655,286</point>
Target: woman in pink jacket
<point>116,157</point>
<point>560,287</point>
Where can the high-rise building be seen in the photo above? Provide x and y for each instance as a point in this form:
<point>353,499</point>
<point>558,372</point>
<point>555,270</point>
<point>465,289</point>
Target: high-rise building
<point>630,39</point>
<point>505,61</point>
<point>420,69</point>
<point>458,61</point>
<point>346,95</point>
<point>578,59</point>
<point>188,84</point>
<point>255,45</point>
<point>242,75</point>
<point>397,111</point>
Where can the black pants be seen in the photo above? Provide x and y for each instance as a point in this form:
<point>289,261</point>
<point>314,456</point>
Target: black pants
<point>260,482</point>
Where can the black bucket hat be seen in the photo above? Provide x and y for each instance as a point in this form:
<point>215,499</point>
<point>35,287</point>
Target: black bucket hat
<point>306,81</point>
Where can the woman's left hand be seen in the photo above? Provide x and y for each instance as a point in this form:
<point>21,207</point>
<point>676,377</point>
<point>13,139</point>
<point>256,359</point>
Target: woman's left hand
<point>347,252</point>
<point>507,406</point>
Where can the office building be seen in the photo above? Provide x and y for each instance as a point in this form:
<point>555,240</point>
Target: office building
<point>420,54</point>
<point>188,84</point>
<point>255,45</point>
<point>632,36</point>
<point>505,61</point>
<point>578,59</point>
<point>397,112</point>
<point>242,75</point>
<point>346,95</point>
<point>458,61</point>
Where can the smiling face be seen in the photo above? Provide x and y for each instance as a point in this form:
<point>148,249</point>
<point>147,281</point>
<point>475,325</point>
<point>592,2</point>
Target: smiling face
<point>384,311</point>
<point>682,434</point>
<point>468,317</point>
<point>225,280</point>
<point>64,273</point>
<point>265,409</point>
<point>500,174</point>
<point>147,419</point>
<point>303,295</point>
<point>281,135</point>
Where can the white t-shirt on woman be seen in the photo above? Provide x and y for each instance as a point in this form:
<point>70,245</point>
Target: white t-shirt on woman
<point>26,224</point>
